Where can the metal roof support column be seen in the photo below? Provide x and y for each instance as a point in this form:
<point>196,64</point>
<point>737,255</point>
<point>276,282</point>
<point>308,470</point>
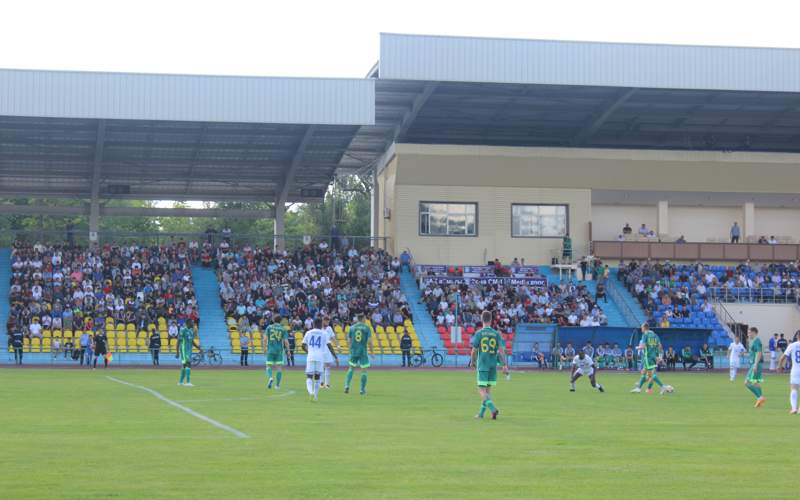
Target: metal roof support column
<point>286,185</point>
<point>279,242</point>
<point>94,203</point>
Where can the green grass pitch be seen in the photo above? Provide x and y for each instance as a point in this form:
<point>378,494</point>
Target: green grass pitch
<point>76,434</point>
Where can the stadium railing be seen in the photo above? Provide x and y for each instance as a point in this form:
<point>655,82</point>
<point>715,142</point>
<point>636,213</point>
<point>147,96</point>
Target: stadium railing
<point>754,295</point>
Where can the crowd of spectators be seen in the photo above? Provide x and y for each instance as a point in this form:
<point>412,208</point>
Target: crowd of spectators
<point>67,287</point>
<point>677,289</point>
<point>317,279</point>
<point>566,304</point>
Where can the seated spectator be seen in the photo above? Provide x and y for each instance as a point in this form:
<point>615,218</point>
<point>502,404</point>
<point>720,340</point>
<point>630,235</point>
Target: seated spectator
<point>537,356</point>
<point>627,229</point>
<point>664,323</point>
<point>762,240</point>
<point>688,358</point>
<point>681,239</point>
<point>670,358</point>
<point>643,230</point>
<point>773,240</point>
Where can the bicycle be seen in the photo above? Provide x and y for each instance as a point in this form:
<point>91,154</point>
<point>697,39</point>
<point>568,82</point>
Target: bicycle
<point>418,359</point>
<point>209,357</point>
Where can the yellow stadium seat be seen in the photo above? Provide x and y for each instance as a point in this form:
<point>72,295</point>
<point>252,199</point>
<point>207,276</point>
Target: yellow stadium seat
<point>400,330</point>
<point>121,327</point>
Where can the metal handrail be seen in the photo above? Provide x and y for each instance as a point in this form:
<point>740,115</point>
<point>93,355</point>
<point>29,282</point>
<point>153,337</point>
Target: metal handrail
<point>627,312</point>
<point>724,317</point>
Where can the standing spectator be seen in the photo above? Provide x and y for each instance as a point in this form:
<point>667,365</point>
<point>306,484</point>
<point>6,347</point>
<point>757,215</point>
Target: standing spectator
<point>244,343</point>
<point>226,234</point>
<point>69,348</point>
<point>55,347</point>
<point>584,266</point>
<point>601,293</point>
<point>782,345</point>
<point>100,348</point>
<point>405,348</point>
<point>569,355</point>
<point>566,252</point>
<point>773,354</point>
<point>83,346</point>
<point>589,349</point>
<point>736,232</point>
<point>556,355</point>
<point>155,346</point>
<point>17,343</point>
<point>627,229</point>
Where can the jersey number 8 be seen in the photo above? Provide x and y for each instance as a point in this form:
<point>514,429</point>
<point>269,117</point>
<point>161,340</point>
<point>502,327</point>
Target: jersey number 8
<point>358,336</point>
<point>488,345</point>
<point>797,357</point>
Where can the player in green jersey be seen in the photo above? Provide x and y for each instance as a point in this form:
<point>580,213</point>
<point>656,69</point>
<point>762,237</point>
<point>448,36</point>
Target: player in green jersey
<point>276,338</point>
<point>754,377</point>
<point>359,339</point>
<point>186,339</point>
<point>488,348</point>
<point>651,349</point>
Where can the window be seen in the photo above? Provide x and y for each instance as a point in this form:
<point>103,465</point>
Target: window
<point>448,219</point>
<point>539,221</point>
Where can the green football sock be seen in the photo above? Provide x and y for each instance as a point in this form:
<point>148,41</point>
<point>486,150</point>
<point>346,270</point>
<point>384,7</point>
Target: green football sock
<point>490,405</point>
<point>348,378</point>
<point>363,381</point>
<point>641,381</point>
<point>280,376</point>
<point>758,392</point>
<point>483,409</point>
<point>183,374</point>
<point>657,381</point>
<point>269,373</point>
<point>753,389</point>
<point>188,375</point>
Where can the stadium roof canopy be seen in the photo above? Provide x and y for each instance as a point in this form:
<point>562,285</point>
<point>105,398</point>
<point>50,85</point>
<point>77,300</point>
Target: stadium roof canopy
<point>282,139</point>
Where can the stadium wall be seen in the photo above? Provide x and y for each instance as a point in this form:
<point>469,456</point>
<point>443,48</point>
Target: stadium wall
<point>768,318</point>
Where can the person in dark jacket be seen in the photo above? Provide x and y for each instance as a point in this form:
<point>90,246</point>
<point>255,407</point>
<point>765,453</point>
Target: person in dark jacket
<point>405,348</point>
<point>155,346</point>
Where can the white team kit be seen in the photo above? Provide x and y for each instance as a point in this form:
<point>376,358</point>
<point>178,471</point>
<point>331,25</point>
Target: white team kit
<point>793,353</point>
<point>329,337</point>
<point>735,351</point>
<point>583,366</point>
<point>316,341</point>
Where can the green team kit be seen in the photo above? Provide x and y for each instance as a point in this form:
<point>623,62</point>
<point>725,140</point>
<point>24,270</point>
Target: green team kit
<point>754,374</point>
<point>185,342</point>
<point>651,347</point>
<point>358,337</point>
<point>277,336</point>
<point>488,343</point>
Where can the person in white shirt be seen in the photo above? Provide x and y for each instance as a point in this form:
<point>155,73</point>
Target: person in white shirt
<point>735,351</point>
<point>330,338</point>
<point>793,354</point>
<point>582,364</point>
<point>315,344</point>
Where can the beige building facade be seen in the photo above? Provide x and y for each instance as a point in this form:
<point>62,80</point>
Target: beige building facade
<point>697,194</point>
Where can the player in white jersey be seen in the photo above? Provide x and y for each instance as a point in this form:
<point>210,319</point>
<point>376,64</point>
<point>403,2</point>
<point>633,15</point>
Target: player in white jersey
<point>582,364</point>
<point>315,343</point>
<point>793,354</point>
<point>735,351</point>
<point>331,339</point>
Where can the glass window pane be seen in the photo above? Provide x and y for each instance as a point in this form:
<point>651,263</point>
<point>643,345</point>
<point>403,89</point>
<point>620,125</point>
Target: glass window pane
<point>547,210</point>
<point>457,224</point>
<point>438,224</point>
<point>423,224</point>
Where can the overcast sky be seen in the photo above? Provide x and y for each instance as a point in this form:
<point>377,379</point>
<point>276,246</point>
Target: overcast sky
<point>339,38</point>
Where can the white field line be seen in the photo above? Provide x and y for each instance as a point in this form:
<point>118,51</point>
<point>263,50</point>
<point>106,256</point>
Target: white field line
<point>179,406</point>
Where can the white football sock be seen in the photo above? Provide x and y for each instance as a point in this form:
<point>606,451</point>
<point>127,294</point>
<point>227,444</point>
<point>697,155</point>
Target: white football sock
<point>310,386</point>
<point>793,399</point>
<point>733,374</point>
<point>316,387</point>
<point>327,375</point>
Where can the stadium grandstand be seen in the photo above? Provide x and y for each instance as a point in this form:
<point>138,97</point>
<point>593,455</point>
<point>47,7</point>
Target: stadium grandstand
<point>575,189</point>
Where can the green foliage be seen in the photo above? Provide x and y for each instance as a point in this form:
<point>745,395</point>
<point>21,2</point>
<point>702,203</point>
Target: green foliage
<point>351,199</point>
